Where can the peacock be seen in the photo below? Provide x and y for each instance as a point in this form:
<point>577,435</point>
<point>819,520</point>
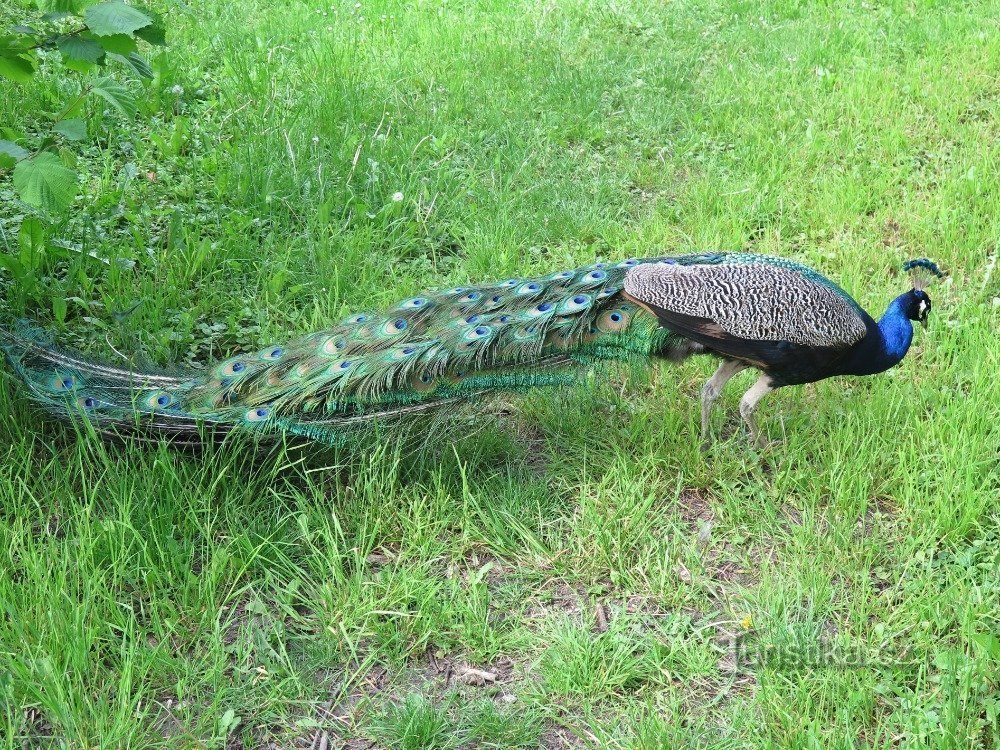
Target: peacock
<point>462,344</point>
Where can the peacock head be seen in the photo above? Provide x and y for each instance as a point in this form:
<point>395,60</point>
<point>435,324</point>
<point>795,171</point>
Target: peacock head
<point>916,302</point>
<point>917,306</point>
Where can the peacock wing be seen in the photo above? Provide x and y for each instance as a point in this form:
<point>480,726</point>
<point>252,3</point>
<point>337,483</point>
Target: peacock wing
<point>749,308</point>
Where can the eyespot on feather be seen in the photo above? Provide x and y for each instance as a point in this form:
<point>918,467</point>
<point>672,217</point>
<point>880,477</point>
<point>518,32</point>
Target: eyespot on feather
<point>422,382</point>
<point>525,333</point>
<point>613,321</point>
<point>232,369</point>
<point>476,333</point>
<point>400,354</point>
<point>260,414</point>
<point>574,304</point>
<point>87,403</point>
<point>271,354</point>
<point>157,400</point>
<point>333,346</point>
<point>392,327</point>
<point>61,382</point>
<point>532,287</point>
<point>541,309</point>
<point>413,303</point>
<point>340,367</point>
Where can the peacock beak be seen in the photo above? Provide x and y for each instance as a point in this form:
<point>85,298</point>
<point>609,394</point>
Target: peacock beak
<point>923,322</point>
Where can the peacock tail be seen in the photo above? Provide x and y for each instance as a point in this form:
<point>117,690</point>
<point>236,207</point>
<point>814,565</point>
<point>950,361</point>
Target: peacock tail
<point>420,354</point>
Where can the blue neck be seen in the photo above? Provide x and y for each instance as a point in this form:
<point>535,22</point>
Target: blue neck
<point>885,344</point>
<point>897,332</point>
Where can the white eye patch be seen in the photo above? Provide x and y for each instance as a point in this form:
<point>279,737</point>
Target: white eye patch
<point>922,307</point>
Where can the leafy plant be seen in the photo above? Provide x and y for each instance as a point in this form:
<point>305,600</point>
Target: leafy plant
<point>84,39</point>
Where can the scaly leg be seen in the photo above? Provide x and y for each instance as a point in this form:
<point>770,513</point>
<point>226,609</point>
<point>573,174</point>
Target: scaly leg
<point>712,390</point>
<point>749,402</point>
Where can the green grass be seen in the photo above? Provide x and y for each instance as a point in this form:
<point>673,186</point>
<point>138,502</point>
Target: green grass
<point>577,544</point>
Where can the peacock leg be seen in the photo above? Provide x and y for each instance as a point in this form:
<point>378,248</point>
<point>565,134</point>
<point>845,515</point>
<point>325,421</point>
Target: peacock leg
<point>712,390</point>
<point>749,402</point>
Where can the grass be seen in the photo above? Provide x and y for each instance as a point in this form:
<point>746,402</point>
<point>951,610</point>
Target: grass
<point>577,544</point>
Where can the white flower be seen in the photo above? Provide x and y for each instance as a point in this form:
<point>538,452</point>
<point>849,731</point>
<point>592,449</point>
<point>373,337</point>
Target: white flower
<point>315,139</point>
<point>397,196</point>
<point>177,90</point>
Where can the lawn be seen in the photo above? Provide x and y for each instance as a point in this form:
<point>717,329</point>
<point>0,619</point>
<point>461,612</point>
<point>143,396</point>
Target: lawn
<point>298,161</point>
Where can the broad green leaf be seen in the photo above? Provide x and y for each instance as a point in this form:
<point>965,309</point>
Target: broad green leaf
<point>11,45</point>
<point>31,235</point>
<point>116,95</point>
<point>81,66</point>
<point>59,308</point>
<point>54,7</point>
<point>56,15</point>
<point>11,149</point>
<point>75,129</point>
<point>16,68</point>
<point>68,157</point>
<point>75,47</point>
<point>25,30</point>
<point>136,63</point>
<point>115,17</point>
<point>156,32</point>
<point>121,44</point>
<point>13,266</point>
<point>43,182</point>
<point>988,643</point>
